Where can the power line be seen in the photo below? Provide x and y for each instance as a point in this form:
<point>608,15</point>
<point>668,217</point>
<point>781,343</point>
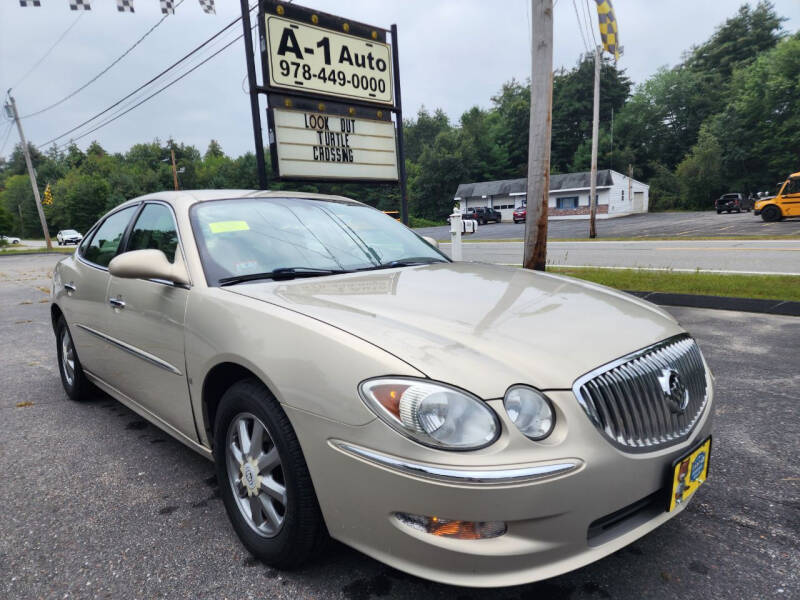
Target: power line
<point>144,85</point>
<point>580,26</point>
<point>5,138</point>
<point>589,22</point>
<point>104,71</point>
<point>170,84</point>
<point>137,99</point>
<point>49,50</point>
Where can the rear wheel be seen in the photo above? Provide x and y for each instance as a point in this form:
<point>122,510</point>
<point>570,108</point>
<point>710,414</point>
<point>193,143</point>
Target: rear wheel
<point>69,366</point>
<point>719,212</point>
<point>771,213</point>
<point>265,483</point>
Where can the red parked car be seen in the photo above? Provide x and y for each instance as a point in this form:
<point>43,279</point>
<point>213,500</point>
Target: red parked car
<point>520,214</point>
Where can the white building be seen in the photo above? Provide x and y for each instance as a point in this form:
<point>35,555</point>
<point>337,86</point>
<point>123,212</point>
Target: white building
<point>617,195</point>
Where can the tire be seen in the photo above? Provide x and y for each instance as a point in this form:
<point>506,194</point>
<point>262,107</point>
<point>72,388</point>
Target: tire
<point>771,213</point>
<point>738,211</point>
<point>719,212</point>
<point>75,383</point>
<point>289,529</point>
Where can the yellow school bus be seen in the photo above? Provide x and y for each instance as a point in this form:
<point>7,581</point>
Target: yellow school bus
<point>785,204</point>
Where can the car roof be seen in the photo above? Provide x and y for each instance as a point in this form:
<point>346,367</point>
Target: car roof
<point>185,198</point>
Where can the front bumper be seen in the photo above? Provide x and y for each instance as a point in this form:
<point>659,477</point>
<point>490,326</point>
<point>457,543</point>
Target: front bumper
<point>552,518</point>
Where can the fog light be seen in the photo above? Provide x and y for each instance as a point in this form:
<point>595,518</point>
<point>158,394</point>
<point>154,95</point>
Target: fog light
<point>462,530</point>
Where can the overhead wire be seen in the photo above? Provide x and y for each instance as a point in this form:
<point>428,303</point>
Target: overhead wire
<point>129,108</point>
<point>580,26</point>
<point>49,50</point>
<point>5,136</point>
<point>589,21</point>
<point>104,71</point>
<point>146,84</point>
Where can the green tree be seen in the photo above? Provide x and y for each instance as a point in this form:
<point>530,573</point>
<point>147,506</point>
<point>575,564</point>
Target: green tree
<point>700,173</point>
<point>17,198</point>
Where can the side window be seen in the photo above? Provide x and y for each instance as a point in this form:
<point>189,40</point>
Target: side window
<point>105,242</point>
<point>155,229</point>
<point>793,187</point>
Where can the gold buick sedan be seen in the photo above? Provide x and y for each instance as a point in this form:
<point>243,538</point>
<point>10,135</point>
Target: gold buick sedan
<point>472,424</point>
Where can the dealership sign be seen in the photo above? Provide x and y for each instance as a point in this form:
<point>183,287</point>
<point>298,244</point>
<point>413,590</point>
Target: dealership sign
<point>310,59</point>
<point>331,86</point>
<point>318,145</point>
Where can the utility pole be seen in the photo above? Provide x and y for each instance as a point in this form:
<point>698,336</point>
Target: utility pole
<point>630,184</point>
<point>538,192</point>
<point>174,170</point>
<point>12,109</point>
<point>595,127</point>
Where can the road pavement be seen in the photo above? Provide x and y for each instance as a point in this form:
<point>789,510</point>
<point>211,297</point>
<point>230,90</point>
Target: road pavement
<point>649,225</point>
<point>99,504</point>
<point>734,256</point>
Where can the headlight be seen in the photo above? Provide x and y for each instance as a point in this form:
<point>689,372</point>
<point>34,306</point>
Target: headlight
<point>530,411</point>
<point>433,414</point>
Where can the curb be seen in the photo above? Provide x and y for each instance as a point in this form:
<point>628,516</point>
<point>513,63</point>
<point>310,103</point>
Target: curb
<point>754,305</point>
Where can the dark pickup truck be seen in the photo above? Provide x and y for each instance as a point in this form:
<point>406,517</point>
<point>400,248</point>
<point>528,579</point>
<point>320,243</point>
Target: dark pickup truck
<point>483,215</point>
<point>733,203</point>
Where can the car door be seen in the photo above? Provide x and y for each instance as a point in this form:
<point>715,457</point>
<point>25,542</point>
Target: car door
<point>790,199</point>
<point>146,319</point>
<point>85,283</point>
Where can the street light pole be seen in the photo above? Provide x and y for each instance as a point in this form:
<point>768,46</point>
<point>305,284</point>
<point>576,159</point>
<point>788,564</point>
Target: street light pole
<point>12,108</point>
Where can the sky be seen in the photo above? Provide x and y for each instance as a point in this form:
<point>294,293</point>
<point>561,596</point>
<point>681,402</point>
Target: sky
<point>454,54</point>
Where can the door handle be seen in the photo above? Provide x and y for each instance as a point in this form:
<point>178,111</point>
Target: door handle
<point>116,302</point>
<point>70,287</point>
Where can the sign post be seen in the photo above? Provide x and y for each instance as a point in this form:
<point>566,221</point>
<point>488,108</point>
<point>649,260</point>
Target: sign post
<point>332,86</point>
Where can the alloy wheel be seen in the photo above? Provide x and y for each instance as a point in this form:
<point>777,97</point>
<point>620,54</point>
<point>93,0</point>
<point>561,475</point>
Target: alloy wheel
<point>68,357</point>
<point>255,474</point>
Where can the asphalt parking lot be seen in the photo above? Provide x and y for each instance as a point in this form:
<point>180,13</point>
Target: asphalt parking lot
<point>651,225</point>
<point>99,504</point>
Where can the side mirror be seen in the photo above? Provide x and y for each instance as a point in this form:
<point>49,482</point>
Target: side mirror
<point>431,241</point>
<point>149,264</point>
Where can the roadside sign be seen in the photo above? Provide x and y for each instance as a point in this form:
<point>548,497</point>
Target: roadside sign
<point>312,144</point>
<point>328,56</point>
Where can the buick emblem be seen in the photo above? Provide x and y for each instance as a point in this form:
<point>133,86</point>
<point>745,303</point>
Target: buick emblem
<point>676,395</point>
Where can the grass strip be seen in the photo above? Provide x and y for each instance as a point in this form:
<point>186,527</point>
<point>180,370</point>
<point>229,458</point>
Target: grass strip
<point>768,287</point>
<point>60,250</point>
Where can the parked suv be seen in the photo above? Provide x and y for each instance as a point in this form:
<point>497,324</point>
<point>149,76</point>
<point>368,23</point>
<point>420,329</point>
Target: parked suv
<point>483,215</point>
<point>732,202</point>
<point>68,236</point>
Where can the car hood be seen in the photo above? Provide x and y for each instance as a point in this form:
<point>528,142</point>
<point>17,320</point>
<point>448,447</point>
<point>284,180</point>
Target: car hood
<point>482,327</point>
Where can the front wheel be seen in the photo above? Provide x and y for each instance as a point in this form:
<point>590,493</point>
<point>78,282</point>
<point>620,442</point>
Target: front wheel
<point>72,377</point>
<point>771,213</point>
<point>719,212</point>
<point>265,483</point>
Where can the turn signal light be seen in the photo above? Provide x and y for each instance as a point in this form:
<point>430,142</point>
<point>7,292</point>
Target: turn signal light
<point>462,530</point>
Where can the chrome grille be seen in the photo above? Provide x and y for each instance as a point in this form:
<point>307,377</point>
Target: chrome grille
<point>627,402</point>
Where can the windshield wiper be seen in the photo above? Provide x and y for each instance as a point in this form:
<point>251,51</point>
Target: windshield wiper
<point>406,262</point>
<point>281,274</point>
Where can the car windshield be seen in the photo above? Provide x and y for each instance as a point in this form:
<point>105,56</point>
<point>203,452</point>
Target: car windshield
<point>69,232</point>
<point>242,238</point>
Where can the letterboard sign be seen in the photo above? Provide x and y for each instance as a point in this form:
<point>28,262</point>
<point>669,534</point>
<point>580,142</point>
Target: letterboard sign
<point>318,145</point>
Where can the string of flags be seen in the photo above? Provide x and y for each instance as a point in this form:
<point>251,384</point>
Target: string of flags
<point>167,6</point>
